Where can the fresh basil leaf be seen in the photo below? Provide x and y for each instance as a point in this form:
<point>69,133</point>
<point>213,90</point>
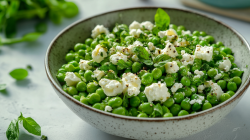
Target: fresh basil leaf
<point>12,132</point>
<point>147,62</point>
<point>155,30</point>
<point>162,19</point>
<point>41,27</point>
<point>161,57</point>
<point>104,68</point>
<point>141,52</point>
<point>29,67</point>
<point>122,64</point>
<point>31,126</point>
<point>19,74</point>
<point>2,87</point>
<point>160,64</point>
<point>31,36</point>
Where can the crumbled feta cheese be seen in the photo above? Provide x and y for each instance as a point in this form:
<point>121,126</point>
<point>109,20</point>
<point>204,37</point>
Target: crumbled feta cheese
<point>98,74</point>
<point>124,50</point>
<point>111,36</point>
<point>115,57</point>
<point>151,46</point>
<point>201,73</point>
<point>135,32</point>
<point>171,34</point>
<point>157,51</point>
<point>131,84</point>
<point>187,58</point>
<point>215,88</point>
<point>137,43</point>
<point>201,88</point>
<point>71,79</point>
<point>111,87</point>
<point>157,92</point>
<point>193,89</point>
<point>108,108</point>
<point>236,69</point>
<point>83,64</point>
<point>161,34</point>
<point>206,101</point>
<point>189,73</point>
<point>171,67</point>
<point>135,58</point>
<point>216,77</point>
<point>176,86</point>
<point>134,25</point>
<point>225,64</point>
<point>99,53</point>
<point>170,50</point>
<point>112,51</point>
<point>181,42</point>
<point>204,53</point>
<point>186,32</point>
<point>199,100</point>
<point>98,30</point>
<point>148,25</point>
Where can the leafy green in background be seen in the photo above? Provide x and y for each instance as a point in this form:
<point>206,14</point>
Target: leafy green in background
<point>11,11</point>
<point>162,20</point>
<point>29,124</point>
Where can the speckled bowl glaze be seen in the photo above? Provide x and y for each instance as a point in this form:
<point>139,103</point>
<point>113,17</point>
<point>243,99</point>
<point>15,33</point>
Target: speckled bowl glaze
<point>147,128</point>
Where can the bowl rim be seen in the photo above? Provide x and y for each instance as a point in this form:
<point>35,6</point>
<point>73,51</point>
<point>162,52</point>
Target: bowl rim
<point>237,95</point>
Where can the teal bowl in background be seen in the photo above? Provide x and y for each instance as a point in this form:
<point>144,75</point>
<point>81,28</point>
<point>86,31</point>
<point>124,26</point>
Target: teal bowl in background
<point>234,4</point>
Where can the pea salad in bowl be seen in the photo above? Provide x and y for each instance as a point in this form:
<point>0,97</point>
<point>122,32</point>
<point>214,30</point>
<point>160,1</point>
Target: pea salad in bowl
<point>163,71</point>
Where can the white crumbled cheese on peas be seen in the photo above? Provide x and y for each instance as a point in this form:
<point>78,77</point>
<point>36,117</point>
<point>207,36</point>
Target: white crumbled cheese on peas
<point>171,34</point>
<point>111,36</point>
<point>225,64</point>
<point>134,25</point>
<point>186,32</point>
<point>187,58</point>
<point>157,92</point>
<point>215,88</point>
<point>148,25</point>
<point>98,74</point>
<point>111,87</point>
<point>201,73</point>
<point>124,50</point>
<point>151,46</point>
<point>193,89</point>
<point>236,69</point>
<point>131,84</point>
<point>217,76</point>
<point>201,88</point>
<point>98,30</point>
<point>112,51</point>
<point>157,51</point>
<point>181,42</point>
<point>137,43</point>
<point>71,79</point>
<point>115,57</point>
<point>135,32</point>
<point>189,73</point>
<point>199,100</point>
<point>99,53</point>
<point>170,50</point>
<point>83,64</point>
<point>135,58</point>
<point>206,101</point>
<point>204,53</point>
<point>161,34</point>
<point>176,86</point>
<point>171,67</point>
<point>108,108</point>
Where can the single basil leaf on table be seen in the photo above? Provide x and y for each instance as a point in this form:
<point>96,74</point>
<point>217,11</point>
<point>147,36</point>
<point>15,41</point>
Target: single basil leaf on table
<point>162,19</point>
<point>12,132</point>
<point>31,126</point>
<point>2,87</point>
<point>19,74</point>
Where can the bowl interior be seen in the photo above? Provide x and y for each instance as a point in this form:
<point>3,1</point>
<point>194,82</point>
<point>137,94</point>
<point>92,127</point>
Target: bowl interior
<point>81,30</point>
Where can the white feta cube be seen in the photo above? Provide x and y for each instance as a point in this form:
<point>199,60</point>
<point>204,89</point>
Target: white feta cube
<point>157,92</point>
<point>204,53</point>
<point>99,53</point>
<point>225,65</point>
<point>111,87</point>
<point>115,57</point>
<point>98,30</point>
<point>171,67</point>
<point>131,84</point>
<point>83,64</point>
<point>71,79</point>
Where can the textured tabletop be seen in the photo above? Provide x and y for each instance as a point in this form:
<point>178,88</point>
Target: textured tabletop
<point>35,97</point>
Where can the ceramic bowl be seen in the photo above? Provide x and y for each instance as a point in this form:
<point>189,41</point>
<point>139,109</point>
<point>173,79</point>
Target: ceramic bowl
<point>147,128</point>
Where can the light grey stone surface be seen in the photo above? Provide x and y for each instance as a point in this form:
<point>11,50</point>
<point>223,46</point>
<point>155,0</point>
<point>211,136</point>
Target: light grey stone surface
<point>36,98</point>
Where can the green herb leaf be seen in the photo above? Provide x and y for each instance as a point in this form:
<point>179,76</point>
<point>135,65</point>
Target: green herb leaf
<point>160,64</point>
<point>122,64</point>
<point>147,62</point>
<point>162,19</point>
<point>30,125</point>
<point>161,57</point>
<point>41,27</point>
<point>141,52</point>
<point>69,9</point>
<point>2,87</point>
<point>31,36</point>
<point>19,74</point>
<point>158,110</point>
<point>104,68</point>
<point>12,132</point>
<point>44,137</point>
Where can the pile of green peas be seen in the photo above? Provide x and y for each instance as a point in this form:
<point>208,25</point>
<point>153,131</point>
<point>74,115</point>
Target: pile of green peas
<point>90,93</point>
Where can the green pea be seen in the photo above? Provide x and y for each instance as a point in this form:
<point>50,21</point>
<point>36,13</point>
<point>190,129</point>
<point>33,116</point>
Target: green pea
<point>142,115</point>
<point>146,108</point>
<point>72,90</point>
<point>185,81</point>
<point>183,113</point>
<point>202,33</point>
<point>215,46</point>
<point>60,77</point>
<point>231,58</point>
<point>206,106</point>
<point>181,27</point>
<point>119,110</point>
<point>226,50</point>
<point>155,40</point>
<point>224,97</point>
<point>127,71</point>
<point>162,69</point>
<point>65,88</point>
<point>169,102</point>
<point>166,115</point>
<point>79,46</point>
<point>220,43</point>
<point>93,44</point>
<point>234,65</point>
<point>81,52</point>
<point>81,86</point>
<point>99,106</point>
<point>237,80</point>
<point>157,73</point>
<point>178,97</point>
<point>147,78</point>
<point>185,104</point>
<point>136,67</point>
<point>77,97</point>
<point>88,41</point>
<point>172,26</point>
<point>93,98</point>
<point>141,73</point>
<point>69,68</point>
<point>165,109</point>
<point>236,73</point>
<point>132,111</point>
<point>101,93</point>
<point>62,70</point>
<point>196,33</point>
<point>212,98</point>
<point>115,102</point>
<point>196,106</point>
<point>84,100</point>
<point>92,87</point>
<point>169,81</point>
<point>212,72</point>
<point>195,67</point>
<point>69,57</point>
<point>175,109</point>
<point>83,94</point>
<point>134,101</point>
<point>231,93</point>
<point>143,97</point>
<point>88,75</point>
<point>209,38</point>
<point>203,43</point>
<point>231,86</point>
<point>222,84</point>
<point>183,71</point>
<point>188,92</point>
